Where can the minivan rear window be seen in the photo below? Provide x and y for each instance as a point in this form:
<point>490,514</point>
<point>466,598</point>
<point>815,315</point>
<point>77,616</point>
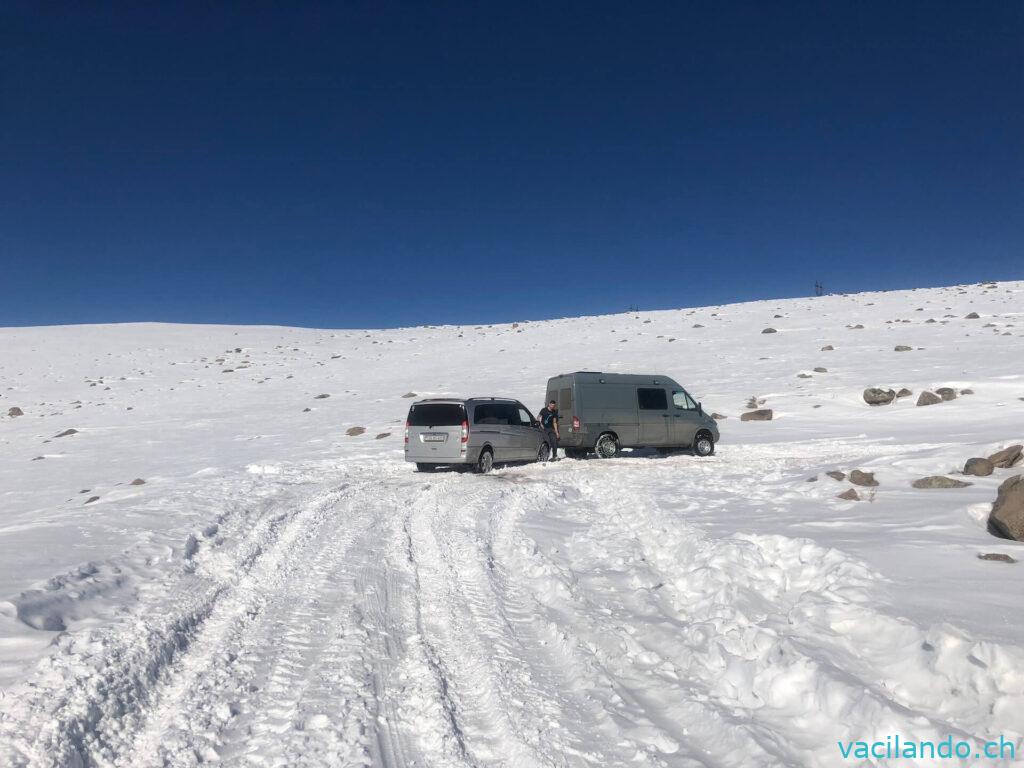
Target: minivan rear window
<point>437,415</point>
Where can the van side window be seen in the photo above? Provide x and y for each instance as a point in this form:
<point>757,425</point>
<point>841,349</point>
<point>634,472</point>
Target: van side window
<point>682,399</point>
<point>525,419</point>
<point>652,399</point>
<point>564,399</point>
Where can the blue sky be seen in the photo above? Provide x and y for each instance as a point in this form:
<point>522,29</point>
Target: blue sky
<point>382,164</point>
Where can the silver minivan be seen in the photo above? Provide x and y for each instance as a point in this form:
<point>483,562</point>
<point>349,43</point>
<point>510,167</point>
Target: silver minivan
<point>476,433</point>
<point>605,412</point>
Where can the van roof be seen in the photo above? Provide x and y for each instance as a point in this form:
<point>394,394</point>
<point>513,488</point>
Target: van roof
<point>618,378</point>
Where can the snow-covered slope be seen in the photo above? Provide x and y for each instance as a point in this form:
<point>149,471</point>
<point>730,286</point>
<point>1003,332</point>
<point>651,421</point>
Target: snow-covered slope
<point>274,591</point>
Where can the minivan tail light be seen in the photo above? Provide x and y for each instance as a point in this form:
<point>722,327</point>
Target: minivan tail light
<point>407,431</point>
<point>465,432</point>
<point>575,423</point>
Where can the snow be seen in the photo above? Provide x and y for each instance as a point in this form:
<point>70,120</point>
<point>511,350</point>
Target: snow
<point>277,592</point>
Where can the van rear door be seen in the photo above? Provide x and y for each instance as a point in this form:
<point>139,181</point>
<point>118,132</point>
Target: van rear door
<point>435,432</point>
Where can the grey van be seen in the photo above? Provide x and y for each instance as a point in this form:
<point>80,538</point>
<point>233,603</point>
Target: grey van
<point>605,412</point>
<point>476,433</point>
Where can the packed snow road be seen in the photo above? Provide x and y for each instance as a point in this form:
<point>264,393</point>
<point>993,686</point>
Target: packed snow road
<point>570,614</point>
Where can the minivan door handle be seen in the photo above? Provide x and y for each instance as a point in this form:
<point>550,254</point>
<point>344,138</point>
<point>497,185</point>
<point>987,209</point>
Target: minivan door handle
<point>664,415</point>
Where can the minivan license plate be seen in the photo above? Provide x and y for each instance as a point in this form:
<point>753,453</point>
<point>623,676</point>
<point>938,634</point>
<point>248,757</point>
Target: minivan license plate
<point>434,438</point>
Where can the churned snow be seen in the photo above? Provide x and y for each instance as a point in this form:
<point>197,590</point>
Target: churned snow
<point>208,568</point>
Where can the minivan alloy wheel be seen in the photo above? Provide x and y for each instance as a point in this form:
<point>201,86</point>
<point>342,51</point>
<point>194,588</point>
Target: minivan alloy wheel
<point>704,446</point>
<point>485,462</point>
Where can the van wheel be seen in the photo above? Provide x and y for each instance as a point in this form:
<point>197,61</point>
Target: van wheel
<point>485,463</point>
<point>703,445</point>
<point>421,467</point>
<point>544,453</point>
<point>607,446</point>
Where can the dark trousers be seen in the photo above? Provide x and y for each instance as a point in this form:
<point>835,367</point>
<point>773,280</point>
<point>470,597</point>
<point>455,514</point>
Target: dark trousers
<point>549,435</point>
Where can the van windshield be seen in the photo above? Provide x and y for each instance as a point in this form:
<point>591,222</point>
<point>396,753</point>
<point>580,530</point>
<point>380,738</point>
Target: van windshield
<point>437,415</point>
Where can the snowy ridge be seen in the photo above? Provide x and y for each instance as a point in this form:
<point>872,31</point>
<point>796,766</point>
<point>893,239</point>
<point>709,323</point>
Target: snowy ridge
<point>279,593</point>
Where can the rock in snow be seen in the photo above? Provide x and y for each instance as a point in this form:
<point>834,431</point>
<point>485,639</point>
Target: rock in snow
<point>939,481</point>
<point>978,467</point>
<point>928,398</point>
<point>1007,457</point>
<point>876,396</point>
<point>1007,518</point>
<point>761,414</point>
<point>866,479</point>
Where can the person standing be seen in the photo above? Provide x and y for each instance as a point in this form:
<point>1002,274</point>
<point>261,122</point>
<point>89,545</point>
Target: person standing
<point>549,423</point>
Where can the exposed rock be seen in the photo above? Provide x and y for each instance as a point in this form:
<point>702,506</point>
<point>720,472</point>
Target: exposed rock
<point>1007,457</point>
<point>819,369</point>
<point>939,481</point>
<point>903,348</point>
<point>306,410</point>
<point>804,376</point>
<point>91,499</point>
<point>946,393</point>
<point>928,398</point>
<point>849,495</point>
<point>827,348</point>
<point>972,316</point>
<point>866,479</point>
<point>15,411</point>
<point>38,458</point>
<point>382,435</point>
<point>698,325</point>
<point>966,391</point>
<point>67,432</point>
<point>409,394</point>
<point>876,396</point>
<point>835,474</point>
<point>769,330</point>
<point>978,467</point>
<point>321,397</point>
<point>1007,518</point>
<point>998,557</point>
<point>761,414</point>
<point>813,479</point>
<point>857,327</point>
<point>904,392</point>
<point>718,416</point>
<point>137,481</point>
<point>353,431</point>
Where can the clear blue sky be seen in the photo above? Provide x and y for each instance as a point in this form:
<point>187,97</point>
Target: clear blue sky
<point>381,164</point>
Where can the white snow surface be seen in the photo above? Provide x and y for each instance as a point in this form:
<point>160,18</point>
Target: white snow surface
<point>278,592</point>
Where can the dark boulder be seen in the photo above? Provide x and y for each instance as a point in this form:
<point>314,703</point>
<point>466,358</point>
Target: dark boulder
<point>877,396</point>
<point>1007,518</point>
<point>928,398</point>
<point>761,414</point>
<point>1007,457</point>
<point>866,479</point>
<point>978,467</point>
<point>946,393</point>
<point>15,411</point>
<point>849,495</point>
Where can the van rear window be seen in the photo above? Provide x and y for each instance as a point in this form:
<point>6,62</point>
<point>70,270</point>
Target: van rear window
<point>437,415</point>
